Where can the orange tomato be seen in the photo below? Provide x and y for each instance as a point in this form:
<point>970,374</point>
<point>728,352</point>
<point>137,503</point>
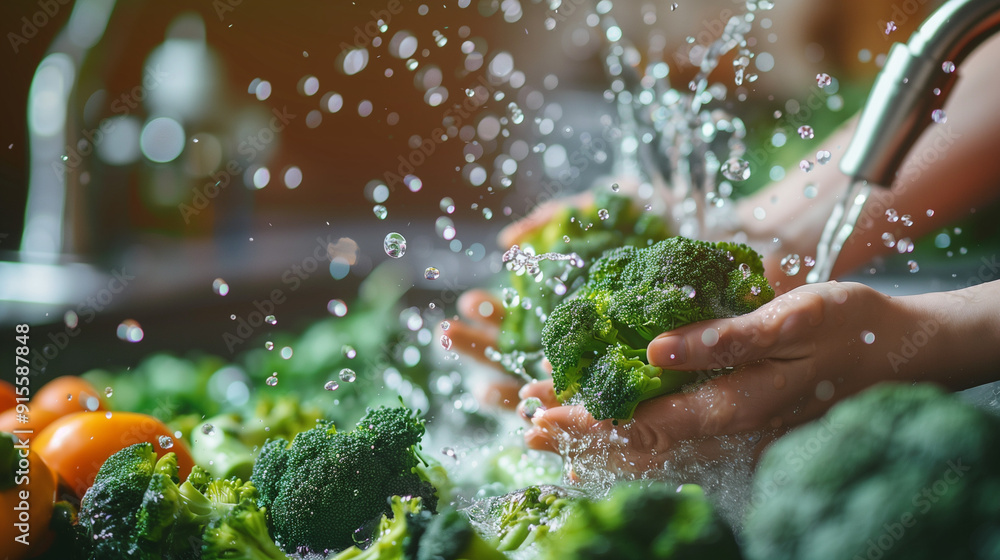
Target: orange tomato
<point>75,446</point>
<point>29,501</point>
<point>8,397</point>
<point>38,419</point>
<point>67,394</point>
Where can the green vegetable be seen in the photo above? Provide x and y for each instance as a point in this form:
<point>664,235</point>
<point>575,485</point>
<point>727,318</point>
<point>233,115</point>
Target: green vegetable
<point>649,521</point>
<point>137,509</point>
<point>898,472</point>
<point>596,341</point>
<point>325,484</point>
<point>241,534</point>
<point>589,236</point>
<point>524,516</point>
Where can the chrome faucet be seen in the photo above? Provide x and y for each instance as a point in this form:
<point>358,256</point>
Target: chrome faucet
<point>915,80</point>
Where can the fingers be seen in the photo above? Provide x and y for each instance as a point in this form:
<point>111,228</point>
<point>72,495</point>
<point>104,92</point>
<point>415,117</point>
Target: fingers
<point>480,306</point>
<point>541,215</point>
<point>541,390</point>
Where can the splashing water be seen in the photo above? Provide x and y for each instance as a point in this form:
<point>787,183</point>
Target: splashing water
<point>518,260</point>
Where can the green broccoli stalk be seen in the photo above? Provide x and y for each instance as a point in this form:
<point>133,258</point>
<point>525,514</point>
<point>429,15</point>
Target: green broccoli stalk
<point>342,479</point>
<point>240,534</point>
<point>650,521</point>
<point>136,508</point>
<point>524,516</point>
<point>596,341</point>
<point>897,472</point>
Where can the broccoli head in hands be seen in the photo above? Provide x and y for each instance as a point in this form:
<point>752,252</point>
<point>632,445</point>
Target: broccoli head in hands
<point>596,340</point>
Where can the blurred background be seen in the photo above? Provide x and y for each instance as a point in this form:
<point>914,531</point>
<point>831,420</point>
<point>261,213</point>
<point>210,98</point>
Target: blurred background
<point>172,170</point>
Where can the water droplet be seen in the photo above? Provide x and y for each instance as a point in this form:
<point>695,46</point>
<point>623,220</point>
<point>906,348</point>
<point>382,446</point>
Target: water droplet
<point>806,165</point>
<point>673,6</point>
<point>432,273</point>
<point>271,381</point>
<point>689,291</point>
<point>904,245</point>
<point>615,187</point>
<point>736,169</point>
<point>810,191</point>
<point>888,239</point>
<point>531,406</point>
<point>906,220</point>
<point>220,287</point>
<point>805,132</point>
<point>890,27</point>
<point>129,330</point>
<point>207,429</point>
<point>487,213</point>
<point>823,157</point>
<point>166,442</point>
<point>939,116</point>
<point>913,266</point>
<point>349,352</point>
<point>269,345</point>
<point>447,205</point>
<point>603,214</point>
<point>394,245</point>
<point>948,67</point>
<point>566,239</point>
<point>448,452</point>
<point>331,386</point>
<point>891,215</point>
<point>791,264</point>
<point>745,270</point>
<point>445,325</point>
<point>108,415</point>
<point>271,320</point>
<point>930,212</point>
<point>108,392</point>
<point>823,80</point>
<point>755,290</point>
<point>337,307</point>
<point>445,342</point>
<point>868,337</point>
<point>347,375</point>
<point>380,211</point>
<point>510,298</point>
<point>936,91</point>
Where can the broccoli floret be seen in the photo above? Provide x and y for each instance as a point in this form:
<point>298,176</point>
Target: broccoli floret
<point>596,341</point>
<point>524,516</point>
<point>450,536</point>
<point>240,534</point>
<point>137,509</point>
<point>897,472</point>
<point>653,521</point>
<point>590,233</point>
<point>324,485</point>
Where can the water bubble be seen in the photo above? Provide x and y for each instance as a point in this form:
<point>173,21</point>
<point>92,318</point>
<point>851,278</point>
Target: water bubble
<point>805,132</point>
<point>337,307</point>
<point>207,429</point>
<point>736,169</point>
<point>531,406</point>
<point>347,375</point>
<point>510,298</point>
<point>904,245</point>
<point>166,442</point>
<point>948,67</point>
<point>269,345</point>
<point>129,330</point>
<point>891,215</point>
<point>432,273</point>
<point>349,352</point>
<point>806,165</point>
<point>220,287</point>
<point>823,80</point>
<point>809,261</point>
<point>331,386</point>
<point>906,220</point>
<point>108,391</point>
<point>566,239</point>
<point>890,27</point>
<point>394,245</point>
<point>271,320</point>
<point>615,187</point>
<point>447,205</point>
<point>271,381</point>
<point>868,337</point>
<point>823,157</point>
<point>791,264</point>
<point>603,214</point>
<point>445,325</point>
<point>888,239</point>
<point>487,213</point>
<point>445,342</point>
<point>913,266</point>
<point>939,116</point>
<point>745,270</point>
<point>380,211</point>
<point>755,290</point>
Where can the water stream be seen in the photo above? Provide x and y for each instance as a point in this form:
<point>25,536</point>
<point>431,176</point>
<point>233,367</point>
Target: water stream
<point>838,228</point>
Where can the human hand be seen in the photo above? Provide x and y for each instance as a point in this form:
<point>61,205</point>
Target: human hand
<point>792,358</point>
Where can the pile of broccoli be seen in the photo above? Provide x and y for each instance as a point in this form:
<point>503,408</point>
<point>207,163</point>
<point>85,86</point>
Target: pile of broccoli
<point>323,486</point>
<point>596,340</point>
<point>609,221</point>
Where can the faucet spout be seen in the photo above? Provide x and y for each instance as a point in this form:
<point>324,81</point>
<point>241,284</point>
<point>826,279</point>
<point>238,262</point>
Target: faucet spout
<point>913,83</point>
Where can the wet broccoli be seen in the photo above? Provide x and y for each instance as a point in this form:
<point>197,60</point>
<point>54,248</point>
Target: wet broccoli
<point>324,485</point>
<point>524,516</point>
<point>596,341</point>
<point>240,534</point>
